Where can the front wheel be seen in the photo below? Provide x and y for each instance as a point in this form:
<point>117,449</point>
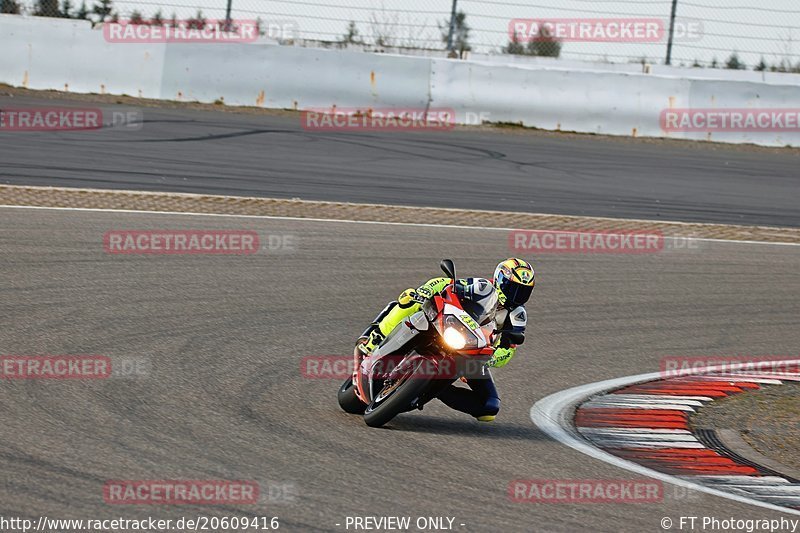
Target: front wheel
<point>348,400</point>
<point>397,397</point>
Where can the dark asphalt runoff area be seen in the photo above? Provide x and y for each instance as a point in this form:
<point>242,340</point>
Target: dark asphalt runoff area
<point>186,150</point>
<point>223,395</point>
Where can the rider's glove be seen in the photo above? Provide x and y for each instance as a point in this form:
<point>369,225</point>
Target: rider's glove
<point>410,297</point>
<point>423,293</point>
<point>501,357</point>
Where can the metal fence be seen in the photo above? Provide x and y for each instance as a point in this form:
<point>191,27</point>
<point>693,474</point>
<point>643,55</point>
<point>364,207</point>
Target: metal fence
<point>707,33</point>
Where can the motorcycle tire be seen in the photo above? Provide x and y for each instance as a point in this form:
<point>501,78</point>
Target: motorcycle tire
<point>398,401</point>
<point>348,400</point>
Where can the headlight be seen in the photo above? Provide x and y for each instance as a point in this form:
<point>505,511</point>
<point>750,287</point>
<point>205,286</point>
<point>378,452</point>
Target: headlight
<point>454,338</point>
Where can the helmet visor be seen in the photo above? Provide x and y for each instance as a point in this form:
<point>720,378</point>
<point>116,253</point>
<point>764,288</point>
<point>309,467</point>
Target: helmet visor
<point>517,294</point>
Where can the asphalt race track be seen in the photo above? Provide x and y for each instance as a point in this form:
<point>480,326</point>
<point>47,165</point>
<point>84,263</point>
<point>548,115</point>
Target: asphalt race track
<point>224,398</point>
<point>272,156</point>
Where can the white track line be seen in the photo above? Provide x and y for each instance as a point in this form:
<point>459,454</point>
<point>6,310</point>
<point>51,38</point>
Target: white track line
<point>552,415</point>
<point>375,222</point>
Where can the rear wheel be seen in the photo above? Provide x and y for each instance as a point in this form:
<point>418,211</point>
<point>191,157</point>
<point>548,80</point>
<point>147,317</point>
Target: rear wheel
<point>348,400</point>
<point>396,397</point>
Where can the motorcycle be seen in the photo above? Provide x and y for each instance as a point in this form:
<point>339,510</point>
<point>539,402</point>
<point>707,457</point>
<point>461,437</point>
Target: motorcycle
<point>451,337</point>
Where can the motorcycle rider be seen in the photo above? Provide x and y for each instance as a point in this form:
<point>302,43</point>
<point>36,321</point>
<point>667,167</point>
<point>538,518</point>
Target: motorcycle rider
<point>514,280</point>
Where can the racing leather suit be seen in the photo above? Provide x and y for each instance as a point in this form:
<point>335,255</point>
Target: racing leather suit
<point>481,400</point>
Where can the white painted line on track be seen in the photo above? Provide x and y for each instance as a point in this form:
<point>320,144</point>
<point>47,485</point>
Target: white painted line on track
<point>735,378</point>
<point>632,431</point>
<point>743,481</point>
<point>552,415</point>
<point>374,222</point>
<point>597,404</point>
<point>660,400</point>
<point>671,398</point>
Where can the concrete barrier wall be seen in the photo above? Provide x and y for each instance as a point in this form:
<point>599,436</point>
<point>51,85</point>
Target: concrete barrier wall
<point>292,78</point>
<point>778,78</point>
<point>747,95</point>
<point>67,55</point>
<point>44,53</point>
<point>602,102</point>
<point>591,102</point>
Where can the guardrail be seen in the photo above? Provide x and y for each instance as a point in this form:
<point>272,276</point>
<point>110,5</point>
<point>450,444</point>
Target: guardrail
<point>68,55</point>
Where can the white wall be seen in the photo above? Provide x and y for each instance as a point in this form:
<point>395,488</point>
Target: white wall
<point>292,78</point>
<point>591,102</point>
<point>67,55</point>
<point>46,53</point>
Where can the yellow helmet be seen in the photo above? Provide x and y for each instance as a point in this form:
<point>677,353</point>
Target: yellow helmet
<point>514,280</point>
